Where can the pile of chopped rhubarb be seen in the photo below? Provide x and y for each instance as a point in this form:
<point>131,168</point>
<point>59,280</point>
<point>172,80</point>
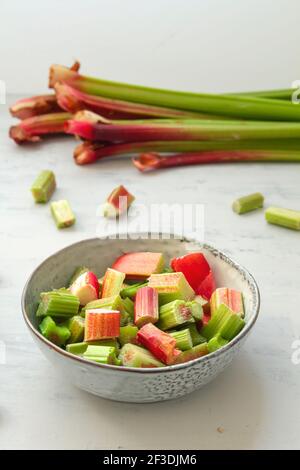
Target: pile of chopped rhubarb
<point>141,312</point>
<point>162,128</point>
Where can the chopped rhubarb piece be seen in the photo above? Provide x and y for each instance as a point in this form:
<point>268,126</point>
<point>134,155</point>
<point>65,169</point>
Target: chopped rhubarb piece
<point>128,334</point>
<point>79,348</point>
<point>76,327</point>
<point>173,314</point>
<point>194,353</point>
<point>101,324</point>
<point>102,354</point>
<point>216,343</point>
<point>196,310</point>
<point>135,356</point>
<point>62,213</point>
<point>78,271</point>
<point>146,306</point>
<point>139,265</point>
<point>207,286</point>
<point>195,335</point>
<point>230,297</point>
<point>129,307</point>
<point>171,286</point>
<point>183,339</point>
<point>118,202</point>
<point>112,283</point>
<point>159,343</point>
<point>194,266</point>
<point>86,288</point>
<point>43,186</point>
<point>34,106</point>
<point>130,291</point>
<point>284,217</point>
<point>58,303</point>
<point>204,303</point>
<point>224,322</point>
<point>248,203</point>
<point>54,333</point>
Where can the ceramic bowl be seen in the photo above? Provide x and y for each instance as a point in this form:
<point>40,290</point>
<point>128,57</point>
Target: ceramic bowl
<point>130,384</point>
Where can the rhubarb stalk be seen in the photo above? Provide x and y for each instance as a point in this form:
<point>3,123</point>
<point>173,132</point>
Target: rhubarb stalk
<point>31,129</point>
<point>34,106</point>
<point>225,105</point>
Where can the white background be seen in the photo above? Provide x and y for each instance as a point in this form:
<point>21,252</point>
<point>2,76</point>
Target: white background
<point>200,45</point>
<point>209,45</point>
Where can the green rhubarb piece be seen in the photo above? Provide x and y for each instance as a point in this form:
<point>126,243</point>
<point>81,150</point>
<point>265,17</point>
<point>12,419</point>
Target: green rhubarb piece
<point>194,353</point>
<point>248,203</point>
<point>216,343</point>
<point>58,303</point>
<point>195,335</point>
<point>174,314</point>
<point>54,333</point>
<point>183,339</point>
<point>79,348</point>
<point>196,309</point>
<point>102,355</point>
<point>167,270</point>
<point>284,217</point>
<point>43,186</point>
<point>231,327</point>
<point>78,271</point>
<point>62,213</point>
<point>128,334</point>
<point>135,356</point>
<point>218,320</point>
<point>171,286</point>
<point>131,291</point>
<point>76,327</point>
<point>129,307</point>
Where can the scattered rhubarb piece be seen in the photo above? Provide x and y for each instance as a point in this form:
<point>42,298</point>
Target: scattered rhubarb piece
<point>76,327</point>
<point>112,283</point>
<point>159,343</point>
<point>139,265</point>
<point>284,217</point>
<point>79,348</point>
<point>130,291</point>
<point>173,314</point>
<point>128,334</point>
<point>54,333</point>
<point>34,106</point>
<point>102,355</point>
<point>58,303</point>
<point>183,339</point>
<point>230,297</point>
<point>194,266</point>
<point>62,214</point>
<point>171,286</point>
<point>135,356</point>
<point>118,202</point>
<point>101,324</point>
<point>207,286</point>
<point>216,343</point>
<point>194,353</point>
<point>225,322</point>
<point>146,306</point>
<point>248,203</point>
<point>85,287</point>
<point>43,186</point>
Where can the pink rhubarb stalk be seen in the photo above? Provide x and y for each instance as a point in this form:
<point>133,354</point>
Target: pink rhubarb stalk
<point>31,129</point>
<point>161,344</point>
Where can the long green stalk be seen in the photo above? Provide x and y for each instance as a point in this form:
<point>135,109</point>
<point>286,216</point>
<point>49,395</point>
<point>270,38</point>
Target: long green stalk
<point>226,105</point>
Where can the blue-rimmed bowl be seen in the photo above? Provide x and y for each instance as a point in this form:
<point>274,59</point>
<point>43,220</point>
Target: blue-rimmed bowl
<point>130,384</point>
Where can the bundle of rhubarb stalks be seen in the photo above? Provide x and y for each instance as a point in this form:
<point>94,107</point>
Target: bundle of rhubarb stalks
<point>160,128</point>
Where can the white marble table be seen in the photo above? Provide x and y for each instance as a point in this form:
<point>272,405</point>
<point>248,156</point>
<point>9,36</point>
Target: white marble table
<point>255,402</point>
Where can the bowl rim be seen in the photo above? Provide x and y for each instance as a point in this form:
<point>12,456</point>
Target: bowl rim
<point>171,368</point>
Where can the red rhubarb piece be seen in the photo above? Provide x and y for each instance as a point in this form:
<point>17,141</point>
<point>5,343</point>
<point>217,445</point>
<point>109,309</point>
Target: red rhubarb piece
<point>161,344</point>
<point>101,324</point>
<point>139,265</point>
<point>86,287</point>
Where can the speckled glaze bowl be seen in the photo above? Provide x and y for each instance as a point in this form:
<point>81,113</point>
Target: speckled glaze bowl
<point>130,384</point>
